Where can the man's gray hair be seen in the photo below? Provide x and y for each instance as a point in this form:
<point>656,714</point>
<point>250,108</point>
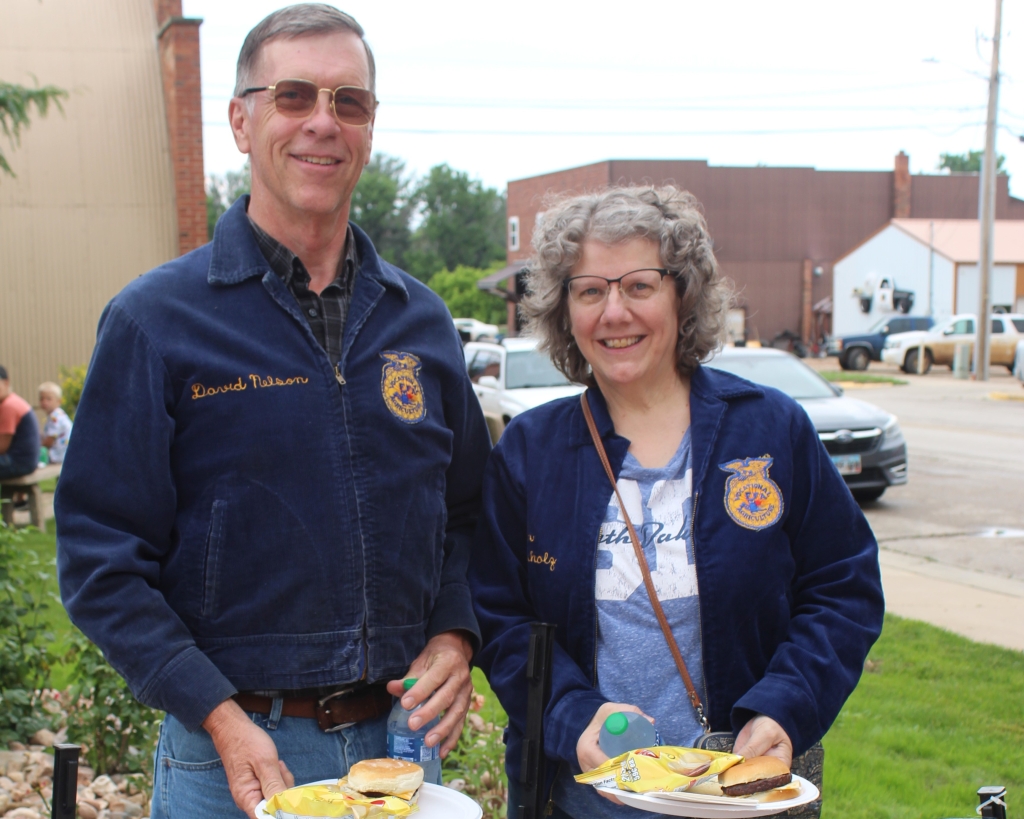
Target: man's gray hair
<point>665,216</point>
<point>301,20</point>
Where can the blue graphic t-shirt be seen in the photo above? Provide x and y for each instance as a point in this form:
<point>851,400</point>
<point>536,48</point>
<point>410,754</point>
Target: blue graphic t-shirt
<point>634,664</point>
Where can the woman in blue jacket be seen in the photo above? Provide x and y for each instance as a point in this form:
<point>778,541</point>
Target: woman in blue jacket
<point>765,568</point>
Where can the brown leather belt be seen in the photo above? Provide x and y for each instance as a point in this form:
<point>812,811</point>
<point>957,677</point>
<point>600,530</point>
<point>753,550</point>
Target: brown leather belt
<point>332,712</point>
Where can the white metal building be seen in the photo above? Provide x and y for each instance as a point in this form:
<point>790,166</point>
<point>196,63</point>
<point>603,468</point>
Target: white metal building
<point>933,260</point>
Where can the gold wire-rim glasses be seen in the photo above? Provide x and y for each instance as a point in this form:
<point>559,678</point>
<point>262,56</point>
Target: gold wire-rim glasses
<point>298,98</point>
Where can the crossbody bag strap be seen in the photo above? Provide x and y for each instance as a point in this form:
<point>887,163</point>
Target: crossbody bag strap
<point>659,612</point>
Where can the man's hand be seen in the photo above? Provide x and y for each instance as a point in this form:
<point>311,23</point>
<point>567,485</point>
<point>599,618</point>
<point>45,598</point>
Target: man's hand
<point>249,756</point>
<point>588,749</point>
<point>441,668</point>
<point>763,736</point>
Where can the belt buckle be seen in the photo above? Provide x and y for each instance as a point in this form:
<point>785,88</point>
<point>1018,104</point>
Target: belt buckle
<point>323,713</point>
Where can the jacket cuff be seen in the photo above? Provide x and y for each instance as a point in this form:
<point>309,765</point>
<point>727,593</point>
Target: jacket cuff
<point>567,722</point>
<point>188,688</point>
<point>787,705</point>
<point>453,611</point>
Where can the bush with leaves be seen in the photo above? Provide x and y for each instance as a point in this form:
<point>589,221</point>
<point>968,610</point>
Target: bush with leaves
<point>117,733</point>
<point>15,104</point>
<point>459,290</point>
<point>72,380</point>
<point>476,766</point>
<point>25,642</point>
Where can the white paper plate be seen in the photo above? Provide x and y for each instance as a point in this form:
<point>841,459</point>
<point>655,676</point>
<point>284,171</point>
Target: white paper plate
<point>436,802</point>
<point>709,807</point>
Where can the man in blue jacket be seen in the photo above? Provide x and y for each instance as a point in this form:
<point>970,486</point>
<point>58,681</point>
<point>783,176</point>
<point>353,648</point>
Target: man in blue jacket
<point>264,517</point>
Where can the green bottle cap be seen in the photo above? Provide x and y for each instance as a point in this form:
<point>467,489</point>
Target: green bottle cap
<point>617,723</point>
<point>409,683</point>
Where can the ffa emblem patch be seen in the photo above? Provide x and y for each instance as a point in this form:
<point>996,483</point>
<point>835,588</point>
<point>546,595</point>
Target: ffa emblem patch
<point>401,388</point>
<point>752,499</point>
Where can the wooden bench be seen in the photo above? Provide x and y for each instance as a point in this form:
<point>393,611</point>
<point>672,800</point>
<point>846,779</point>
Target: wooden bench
<point>27,483</point>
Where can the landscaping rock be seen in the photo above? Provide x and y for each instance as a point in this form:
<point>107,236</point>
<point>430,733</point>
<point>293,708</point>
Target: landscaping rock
<point>43,737</point>
<point>87,811</point>
<point>103,786</point>
<point>23,813</point>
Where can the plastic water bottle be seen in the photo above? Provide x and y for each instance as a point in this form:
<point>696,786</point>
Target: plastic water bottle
<point>405,743</point>
<point>626,731</point>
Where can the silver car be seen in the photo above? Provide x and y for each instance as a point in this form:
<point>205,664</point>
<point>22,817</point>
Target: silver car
<point>865,442</point>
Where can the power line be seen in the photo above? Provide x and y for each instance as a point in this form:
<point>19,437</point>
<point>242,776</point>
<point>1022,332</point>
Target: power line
<point>750,132</point>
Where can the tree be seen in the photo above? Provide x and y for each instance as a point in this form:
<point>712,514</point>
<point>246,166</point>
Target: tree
<point>463,223</point>
<point>383,206</point>
<point>15,102</point>
<point>969,162</point>
<point>464,299</point>
<point>221,193</point>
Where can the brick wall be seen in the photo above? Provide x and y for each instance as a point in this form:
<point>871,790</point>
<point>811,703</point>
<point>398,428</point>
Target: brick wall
<point>526,197</point>
<point>179,64</point>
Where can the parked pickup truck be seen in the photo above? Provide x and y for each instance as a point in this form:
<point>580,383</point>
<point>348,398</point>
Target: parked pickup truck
<point>1006,331</point>
<point>856,352</point>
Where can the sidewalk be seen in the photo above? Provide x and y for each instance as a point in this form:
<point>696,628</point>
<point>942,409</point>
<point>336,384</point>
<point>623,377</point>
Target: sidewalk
<point>982,607</point>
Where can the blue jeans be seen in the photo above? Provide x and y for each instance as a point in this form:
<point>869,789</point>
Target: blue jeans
<point>189,780</point>
<point>11,468</point>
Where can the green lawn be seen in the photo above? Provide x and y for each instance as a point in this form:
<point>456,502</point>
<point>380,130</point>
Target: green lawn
<point>934,718</point>
<point>855,377</point>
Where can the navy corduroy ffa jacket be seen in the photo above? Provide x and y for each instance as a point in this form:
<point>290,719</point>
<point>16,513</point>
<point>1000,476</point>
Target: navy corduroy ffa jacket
<point>232,517</point>
<point>787,567</point>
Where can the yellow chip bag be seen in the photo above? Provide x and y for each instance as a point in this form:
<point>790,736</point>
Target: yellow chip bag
<point>661,768</point>
<point>329,801</point>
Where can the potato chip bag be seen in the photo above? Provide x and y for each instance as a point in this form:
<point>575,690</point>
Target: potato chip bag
<point>661,768</point>
<point>329,801</point>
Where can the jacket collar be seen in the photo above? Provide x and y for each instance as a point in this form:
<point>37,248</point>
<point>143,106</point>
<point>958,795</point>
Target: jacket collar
<point>710,390</point>
<point>236,256</point>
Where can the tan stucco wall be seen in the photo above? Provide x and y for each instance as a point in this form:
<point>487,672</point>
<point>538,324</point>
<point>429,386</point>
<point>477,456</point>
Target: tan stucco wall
<point>92,206</point>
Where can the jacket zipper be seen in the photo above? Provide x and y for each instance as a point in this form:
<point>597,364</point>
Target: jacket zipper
<point>700,624</point>
<point>593,676</point>
<point>338,375</point>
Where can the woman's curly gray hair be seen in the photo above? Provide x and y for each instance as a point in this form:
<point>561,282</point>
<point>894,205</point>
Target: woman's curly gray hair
<point>667,216</point>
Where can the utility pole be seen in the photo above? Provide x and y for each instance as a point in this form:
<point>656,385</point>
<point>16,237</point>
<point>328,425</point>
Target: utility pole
<point>987,207</point>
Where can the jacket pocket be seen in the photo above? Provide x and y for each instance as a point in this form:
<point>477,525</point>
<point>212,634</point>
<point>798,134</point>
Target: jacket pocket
<point>214,543</point>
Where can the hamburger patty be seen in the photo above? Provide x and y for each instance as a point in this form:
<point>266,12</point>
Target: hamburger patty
<point>758,785</point>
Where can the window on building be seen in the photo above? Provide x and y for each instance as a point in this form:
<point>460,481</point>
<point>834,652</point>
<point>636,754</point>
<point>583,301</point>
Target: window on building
<point>513,233</point>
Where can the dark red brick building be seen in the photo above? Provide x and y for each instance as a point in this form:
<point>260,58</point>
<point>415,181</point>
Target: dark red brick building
<point>777,231</point>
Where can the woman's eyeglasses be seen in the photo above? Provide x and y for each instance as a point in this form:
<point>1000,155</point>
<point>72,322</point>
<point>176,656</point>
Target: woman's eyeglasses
<point>637,285</point>
<point>297,98</point>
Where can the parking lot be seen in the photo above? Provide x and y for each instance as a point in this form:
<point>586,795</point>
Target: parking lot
<point>953,537</point>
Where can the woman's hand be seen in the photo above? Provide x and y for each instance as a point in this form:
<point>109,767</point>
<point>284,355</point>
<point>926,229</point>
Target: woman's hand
<point>588,749</point>
<point>763,736</point>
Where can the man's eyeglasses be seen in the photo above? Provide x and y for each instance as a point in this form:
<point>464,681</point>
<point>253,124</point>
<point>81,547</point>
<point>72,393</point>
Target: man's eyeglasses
<point>636,285</point>
<point>297,98</point>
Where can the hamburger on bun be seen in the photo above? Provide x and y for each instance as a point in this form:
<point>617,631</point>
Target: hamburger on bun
<point>761,773</point>
<point>393,777</point>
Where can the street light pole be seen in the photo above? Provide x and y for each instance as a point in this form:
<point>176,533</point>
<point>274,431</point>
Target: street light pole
<point>987,196</point>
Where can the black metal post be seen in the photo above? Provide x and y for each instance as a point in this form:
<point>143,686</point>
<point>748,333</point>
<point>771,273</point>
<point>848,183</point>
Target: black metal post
<point>538,682</point>
<point>64,801</point>
<point>992,799</point>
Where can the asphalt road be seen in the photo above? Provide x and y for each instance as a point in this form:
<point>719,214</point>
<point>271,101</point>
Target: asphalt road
<point>952,539</point>
<point>964,502</point>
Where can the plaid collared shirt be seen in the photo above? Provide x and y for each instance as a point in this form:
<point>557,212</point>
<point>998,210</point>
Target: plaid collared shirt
<point>325,313</point>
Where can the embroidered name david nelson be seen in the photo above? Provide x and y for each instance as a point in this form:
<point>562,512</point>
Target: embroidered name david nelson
<point>258,382</point>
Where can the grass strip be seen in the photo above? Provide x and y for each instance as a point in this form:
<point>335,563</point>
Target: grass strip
<point>934,718</point>
<point>852,377</point>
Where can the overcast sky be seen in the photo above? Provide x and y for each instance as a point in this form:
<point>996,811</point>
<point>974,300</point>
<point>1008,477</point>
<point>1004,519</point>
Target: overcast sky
<point>506,91</point>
